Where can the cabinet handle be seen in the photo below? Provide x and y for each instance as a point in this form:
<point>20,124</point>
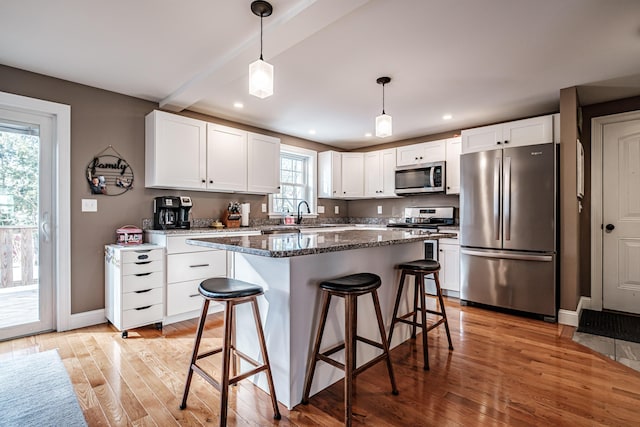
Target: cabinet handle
<point>199,265</point>
<point>498,142</point>
<point>143,256</point>
<point>143,308</point>
<point>210,181</point>
<point>204,181</point>
<point>193,295</point>
<point>143,262</point>
<point>506,142</point>
<point>142,274</point>
<point>142,292</point>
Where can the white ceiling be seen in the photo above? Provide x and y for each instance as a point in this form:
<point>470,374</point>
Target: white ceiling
<point>480,60</point>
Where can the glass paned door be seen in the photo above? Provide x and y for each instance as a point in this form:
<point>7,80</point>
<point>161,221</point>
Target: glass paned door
<point>26,291</point>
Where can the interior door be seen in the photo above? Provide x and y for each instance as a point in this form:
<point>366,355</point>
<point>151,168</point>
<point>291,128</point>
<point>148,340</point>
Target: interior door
<point>26,248</point>
<point>621,217</point>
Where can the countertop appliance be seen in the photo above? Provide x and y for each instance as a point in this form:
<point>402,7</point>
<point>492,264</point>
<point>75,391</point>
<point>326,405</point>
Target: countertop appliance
<point>423,178</point>
<point>508,229</point>
<point>171,212</point>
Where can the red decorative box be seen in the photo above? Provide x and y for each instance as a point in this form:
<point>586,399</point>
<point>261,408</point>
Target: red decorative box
<point>129,235</point>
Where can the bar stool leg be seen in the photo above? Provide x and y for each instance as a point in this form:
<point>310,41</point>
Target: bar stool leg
<point>194,356</point>
<point>444,313</point>
<point>385,343</point>
<point>416,288</point>
<point>226,356</point>
<point>423,312</point>
<point>397,304</point>
<point>265,356</point>
<point>349,355</point>
<point>326,299</point>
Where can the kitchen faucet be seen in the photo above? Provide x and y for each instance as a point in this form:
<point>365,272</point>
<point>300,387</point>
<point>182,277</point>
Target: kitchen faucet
<point>299,219</point>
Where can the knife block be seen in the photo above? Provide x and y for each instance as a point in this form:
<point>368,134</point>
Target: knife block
<point>231,220</point>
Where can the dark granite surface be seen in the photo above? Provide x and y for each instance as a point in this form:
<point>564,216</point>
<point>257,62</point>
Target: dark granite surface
<point>315,242</point>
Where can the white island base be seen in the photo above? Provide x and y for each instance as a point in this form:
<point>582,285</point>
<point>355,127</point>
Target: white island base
<point>291,304</point>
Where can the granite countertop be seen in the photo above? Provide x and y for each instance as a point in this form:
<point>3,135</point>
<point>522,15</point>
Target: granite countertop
<point>204,230</point>
<point>315,242</point>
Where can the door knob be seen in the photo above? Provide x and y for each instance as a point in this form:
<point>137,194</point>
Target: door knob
<point>610,227</point>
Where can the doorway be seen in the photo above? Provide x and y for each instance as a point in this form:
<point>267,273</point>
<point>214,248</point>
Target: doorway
<point>34,216</point>
<point>615,227</point>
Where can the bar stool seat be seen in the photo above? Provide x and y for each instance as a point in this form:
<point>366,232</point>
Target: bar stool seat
<point>420,269</point>
<point>349,287</point>
<point>230,292</point>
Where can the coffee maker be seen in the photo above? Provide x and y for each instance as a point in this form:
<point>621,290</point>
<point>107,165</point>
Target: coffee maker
<point>171,212</point>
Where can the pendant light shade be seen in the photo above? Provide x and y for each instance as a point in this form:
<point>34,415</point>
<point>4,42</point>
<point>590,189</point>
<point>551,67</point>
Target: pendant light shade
<point>384,122</point>
<point>260,71</point>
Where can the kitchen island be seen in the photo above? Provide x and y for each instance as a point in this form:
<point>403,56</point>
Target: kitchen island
<point>290,267</point>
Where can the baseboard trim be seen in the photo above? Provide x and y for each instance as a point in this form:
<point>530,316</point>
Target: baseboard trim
<point>572,318</point>
<point>87,318</point>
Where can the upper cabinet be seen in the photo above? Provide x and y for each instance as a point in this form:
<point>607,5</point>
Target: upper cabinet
<point>452,166</point>
<point>425,152</point>
<point>352,175</point>
<point>330,174</point>
<point>263,161</point>
<point>537,130</point>
<point>175,151</point>
<point>189,154</point>
<point>379,173</point>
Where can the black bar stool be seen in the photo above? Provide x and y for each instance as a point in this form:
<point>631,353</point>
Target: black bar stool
<point>350,288</point>
<point>231,292</point>
<point>419,269</point>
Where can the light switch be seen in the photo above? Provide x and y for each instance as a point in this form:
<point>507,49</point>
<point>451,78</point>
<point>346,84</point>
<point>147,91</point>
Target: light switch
<point>337,210</point>
<point>320,209</point>
<point>89,205</point>
<point>264,207</point>
<point>379,210</point>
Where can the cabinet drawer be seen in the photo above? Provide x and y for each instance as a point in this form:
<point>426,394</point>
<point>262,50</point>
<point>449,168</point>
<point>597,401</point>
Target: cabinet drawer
<point>141,316</point>
<point>141,255</point>
<point>143,281</point>
<point>177,244</point>
<point>183,297</point>
<point>196,265</point>
<point>141,298</point>
<point>141,267</point>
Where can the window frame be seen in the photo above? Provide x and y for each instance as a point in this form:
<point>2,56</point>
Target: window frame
<point>312,180</point>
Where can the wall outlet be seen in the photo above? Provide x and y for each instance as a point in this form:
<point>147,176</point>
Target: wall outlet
<point>320,209</point>
<point>337,210</point>
<point>379,210</point>
<point>264,207</point>
<point>89,205</point>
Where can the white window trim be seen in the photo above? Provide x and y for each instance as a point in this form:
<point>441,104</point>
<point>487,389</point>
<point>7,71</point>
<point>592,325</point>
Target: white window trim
<point>313,180</point>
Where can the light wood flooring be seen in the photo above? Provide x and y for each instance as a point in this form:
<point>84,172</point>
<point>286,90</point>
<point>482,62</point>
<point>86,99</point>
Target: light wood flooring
<point>504,370</point>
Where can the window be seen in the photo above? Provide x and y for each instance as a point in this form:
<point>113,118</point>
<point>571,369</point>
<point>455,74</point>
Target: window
<point>297,181</point>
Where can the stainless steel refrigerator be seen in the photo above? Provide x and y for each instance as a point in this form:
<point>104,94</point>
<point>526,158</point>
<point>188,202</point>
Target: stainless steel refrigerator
<point>508,229</point>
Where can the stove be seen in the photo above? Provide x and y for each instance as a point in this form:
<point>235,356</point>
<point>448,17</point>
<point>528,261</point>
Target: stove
<point>425,218</point>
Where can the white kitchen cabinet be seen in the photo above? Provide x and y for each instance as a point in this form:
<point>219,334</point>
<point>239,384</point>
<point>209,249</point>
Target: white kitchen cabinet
<point>226,158</point>
<point>263,164</point>
<point>449,258</point>
<point>425,152</point>
<point>175,152</point>
<point>330,174</point>
<point>352,175</point>
<point>134,286</point>
<point>452,165</point>
<point>379,173</point>
<point>536,130</point>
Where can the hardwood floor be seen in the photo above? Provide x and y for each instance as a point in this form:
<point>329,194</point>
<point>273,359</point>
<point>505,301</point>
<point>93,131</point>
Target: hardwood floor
<point>505,370</point>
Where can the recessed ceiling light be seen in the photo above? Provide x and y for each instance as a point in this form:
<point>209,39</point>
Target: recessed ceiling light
<point>238,104</point>
<point>368,134</point>
<point>447,117</point>
<point>312,131</point>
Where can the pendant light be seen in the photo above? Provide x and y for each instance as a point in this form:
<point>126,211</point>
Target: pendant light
<point>384,123</point>
<point>261,72</point>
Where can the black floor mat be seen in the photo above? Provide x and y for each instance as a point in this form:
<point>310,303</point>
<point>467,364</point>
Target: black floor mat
<point>624,327</point>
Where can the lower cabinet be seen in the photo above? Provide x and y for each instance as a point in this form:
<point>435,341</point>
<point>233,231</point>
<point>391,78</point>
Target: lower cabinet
<point>134,286</point>
<point>449,258</point>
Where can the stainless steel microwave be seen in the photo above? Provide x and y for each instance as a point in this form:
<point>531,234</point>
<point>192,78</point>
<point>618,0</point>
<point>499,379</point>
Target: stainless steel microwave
<point>423,178</point>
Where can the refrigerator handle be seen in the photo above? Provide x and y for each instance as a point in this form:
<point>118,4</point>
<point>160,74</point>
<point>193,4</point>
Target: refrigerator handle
<point>507,198</point>
<point>496,197</point>
<point>432,182</point>
<point>504,255</point>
